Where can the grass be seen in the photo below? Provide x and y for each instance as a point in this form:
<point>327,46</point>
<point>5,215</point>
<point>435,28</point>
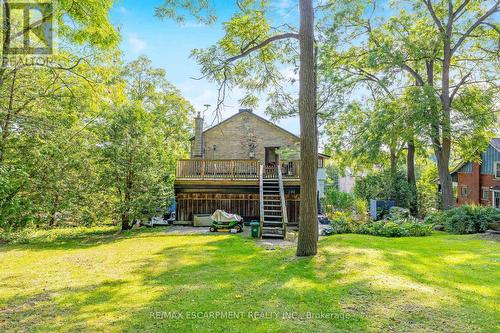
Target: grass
<point>101,280</point>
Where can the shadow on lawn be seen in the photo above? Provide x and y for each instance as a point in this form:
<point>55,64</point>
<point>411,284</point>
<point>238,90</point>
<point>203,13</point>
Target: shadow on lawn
<point>463,280</point>
<point>78,242</point>
<point>60,310</point>
<point>365,283</point>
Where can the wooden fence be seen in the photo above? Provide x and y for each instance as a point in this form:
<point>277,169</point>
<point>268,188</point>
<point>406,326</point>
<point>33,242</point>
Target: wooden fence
<point>246,205</point>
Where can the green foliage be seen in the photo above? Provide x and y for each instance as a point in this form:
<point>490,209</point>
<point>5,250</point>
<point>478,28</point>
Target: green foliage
<point>342,223</point>
<point>405,227</point>
<point>385,186</point>
<point>428,198</point>
<point>63,143</point>
<point>337,200</point>
<point>140,142</point>
<point>51,235</point>
<point>466,219</point>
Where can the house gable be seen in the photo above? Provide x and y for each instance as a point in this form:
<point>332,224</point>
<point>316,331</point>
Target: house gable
<point>245,136</point>
<point>488,159</point>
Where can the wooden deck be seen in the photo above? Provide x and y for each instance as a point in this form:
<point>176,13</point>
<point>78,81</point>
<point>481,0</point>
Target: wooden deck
<point>231,170</point>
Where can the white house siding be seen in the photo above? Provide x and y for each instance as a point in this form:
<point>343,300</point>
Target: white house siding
<point>321,181</point>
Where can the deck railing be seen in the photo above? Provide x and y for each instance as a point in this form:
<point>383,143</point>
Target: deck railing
<point>232,169</point>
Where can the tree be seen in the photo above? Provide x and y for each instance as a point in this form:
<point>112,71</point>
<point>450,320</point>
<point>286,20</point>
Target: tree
<point>460,27</point>
<point>250,47</point>
<point>45,109</point>
<point>140,140</point>
<point>442,49</point>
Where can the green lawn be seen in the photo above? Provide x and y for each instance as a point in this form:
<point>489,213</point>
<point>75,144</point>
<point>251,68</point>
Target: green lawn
<point>104,281</point>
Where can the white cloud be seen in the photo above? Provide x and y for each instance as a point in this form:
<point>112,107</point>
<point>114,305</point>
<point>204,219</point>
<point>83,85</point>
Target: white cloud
<point>284,7</point>
<point>136,43</point>
<point>123,10</point>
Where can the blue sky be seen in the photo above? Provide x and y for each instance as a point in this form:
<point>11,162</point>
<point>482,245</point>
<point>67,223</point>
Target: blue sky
<point>169,44</point>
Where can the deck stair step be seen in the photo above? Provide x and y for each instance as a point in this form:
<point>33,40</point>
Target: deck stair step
<point>273,223</point>
<point>273,217</point>
<point>272,229</point>
<point>272,235</point>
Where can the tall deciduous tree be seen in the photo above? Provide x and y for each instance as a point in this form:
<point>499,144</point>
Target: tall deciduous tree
<point>141,139</point>
<point>463,27</point>
<point>244,57</point>
<point>446,49</point>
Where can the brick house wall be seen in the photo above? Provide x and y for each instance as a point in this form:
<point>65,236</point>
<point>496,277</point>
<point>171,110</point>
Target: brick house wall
<point>475,182</point>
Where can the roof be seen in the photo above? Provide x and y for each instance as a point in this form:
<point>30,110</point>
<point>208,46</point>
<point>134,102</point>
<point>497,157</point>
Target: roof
<point>249,111</point>
<point>495,143</point>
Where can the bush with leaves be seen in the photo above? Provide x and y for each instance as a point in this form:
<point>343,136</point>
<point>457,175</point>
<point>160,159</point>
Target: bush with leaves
<point>343,223</point>
<point>407,227</point>
<point>385,186</point>
<point>336,201</point>
<point>466,219</point>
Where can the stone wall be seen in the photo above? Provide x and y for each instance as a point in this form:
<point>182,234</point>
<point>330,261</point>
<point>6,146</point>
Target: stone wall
<point>244,137</point>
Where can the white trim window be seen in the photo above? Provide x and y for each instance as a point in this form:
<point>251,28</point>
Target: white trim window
<point>497,169</point>
<point>495,199</point>
<point>485,193</point>
<point>464,191</point>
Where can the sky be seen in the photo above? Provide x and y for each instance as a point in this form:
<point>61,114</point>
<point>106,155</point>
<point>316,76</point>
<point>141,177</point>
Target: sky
<point>169,45</point>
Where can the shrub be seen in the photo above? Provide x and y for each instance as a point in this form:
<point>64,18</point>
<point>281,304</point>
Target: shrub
<point>341,223</point>
<point>384,186</point>
<point>467,219</point>
<point>396,228</point>
<point>398,213</point>
<point>336,201</point>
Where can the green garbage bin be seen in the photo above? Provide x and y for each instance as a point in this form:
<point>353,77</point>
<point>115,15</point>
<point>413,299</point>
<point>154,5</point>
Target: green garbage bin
<point>254,227</point>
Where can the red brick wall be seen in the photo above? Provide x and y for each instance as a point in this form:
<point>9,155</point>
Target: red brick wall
<point>474,182</point>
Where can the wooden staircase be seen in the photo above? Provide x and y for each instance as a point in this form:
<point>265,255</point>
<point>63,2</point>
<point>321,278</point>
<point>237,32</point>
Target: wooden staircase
<point>273,215</point>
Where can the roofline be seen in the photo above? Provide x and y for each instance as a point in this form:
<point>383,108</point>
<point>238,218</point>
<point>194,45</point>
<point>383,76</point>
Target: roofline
<point>498,150</point>
<point>263,119</point>
<point>255,115</point>
<point>461,164</point>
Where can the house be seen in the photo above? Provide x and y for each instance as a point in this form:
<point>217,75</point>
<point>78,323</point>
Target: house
<point>479,182</point>
<point>245,165</point>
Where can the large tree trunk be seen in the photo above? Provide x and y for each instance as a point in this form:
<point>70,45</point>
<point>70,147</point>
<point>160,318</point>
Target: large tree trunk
<point>393,161</point>
<point>126,221</point>
<point>126,224</point>
<point>443,164</point>
<point>308,219</point>
<point>444,152</point>
<point>410,174</point>
<point>410,164</point>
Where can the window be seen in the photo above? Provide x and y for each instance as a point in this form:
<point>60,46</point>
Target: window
<point>497,170</point>
<point>496,199</point>
<point>464,191</point>
<point>485,193</point>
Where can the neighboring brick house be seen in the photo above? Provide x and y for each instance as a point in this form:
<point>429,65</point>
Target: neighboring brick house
<point>479,182</point>
<point>225,169</point>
